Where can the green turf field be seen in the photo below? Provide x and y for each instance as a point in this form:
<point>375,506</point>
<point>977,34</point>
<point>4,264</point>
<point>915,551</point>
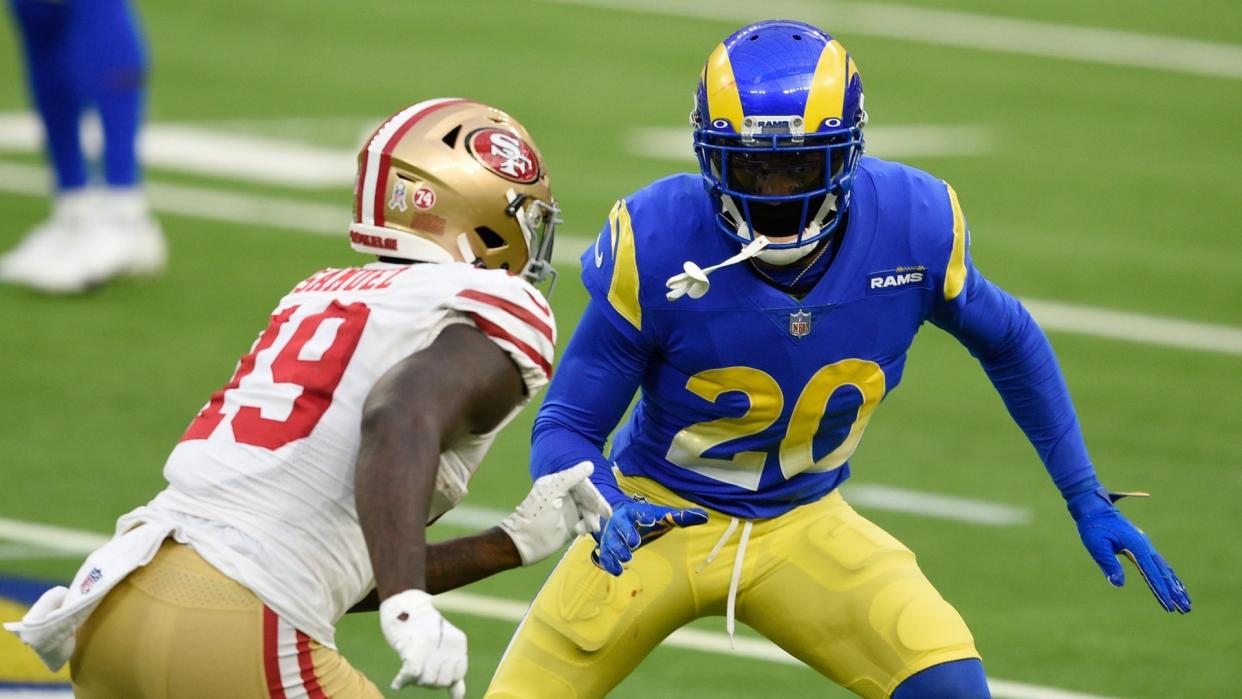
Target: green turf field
<point>1099,184</point>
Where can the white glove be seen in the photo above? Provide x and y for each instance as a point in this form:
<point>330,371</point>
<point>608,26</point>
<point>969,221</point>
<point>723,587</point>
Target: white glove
<point>546,519</point>
<point>432,651</point>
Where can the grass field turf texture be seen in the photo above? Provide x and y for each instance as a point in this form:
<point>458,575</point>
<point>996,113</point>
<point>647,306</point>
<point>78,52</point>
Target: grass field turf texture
<point>1109,186</point>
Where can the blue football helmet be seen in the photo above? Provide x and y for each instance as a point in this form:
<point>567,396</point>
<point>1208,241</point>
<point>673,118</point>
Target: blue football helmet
<point>778,129</point>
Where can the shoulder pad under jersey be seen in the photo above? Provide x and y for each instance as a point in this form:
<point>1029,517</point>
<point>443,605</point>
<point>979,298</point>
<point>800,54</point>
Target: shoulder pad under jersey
<point>515,316</point>
<point>648,237</point>
<point>938,236</point>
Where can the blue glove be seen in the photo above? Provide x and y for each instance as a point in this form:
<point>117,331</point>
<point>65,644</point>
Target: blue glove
<point>1107,534</point>
<point>633,524</point>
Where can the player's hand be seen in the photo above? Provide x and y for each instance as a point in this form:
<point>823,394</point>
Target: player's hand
<point>559,505</point>
<point>432,651</point>
<point>1107,534</point>
<point>635,523</point>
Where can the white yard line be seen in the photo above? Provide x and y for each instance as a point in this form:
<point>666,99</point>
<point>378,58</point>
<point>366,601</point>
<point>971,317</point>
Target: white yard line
<point>895,142</point>
<point>307,217</point>
<point>207,152</point>
<point>27,540</point>
<point>73,541</point>
<point>288,163</point>
<point>950,507</point>
<point>513,611</point>
<point>864,496</point>
<point>1135,327</point>
<point>964,30</point>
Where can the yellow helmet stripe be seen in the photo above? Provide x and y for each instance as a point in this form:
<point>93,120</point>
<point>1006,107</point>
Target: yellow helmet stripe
<point>955,274</point>
<point>723,100</point>
<point>623,291</point>
<point>827,95</point>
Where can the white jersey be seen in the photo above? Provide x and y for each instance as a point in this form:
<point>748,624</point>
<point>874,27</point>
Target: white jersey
<point>262,483</point>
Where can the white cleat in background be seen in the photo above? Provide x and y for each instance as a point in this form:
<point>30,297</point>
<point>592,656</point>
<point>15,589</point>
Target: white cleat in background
<point>92,236</point>
<point>39,259</point>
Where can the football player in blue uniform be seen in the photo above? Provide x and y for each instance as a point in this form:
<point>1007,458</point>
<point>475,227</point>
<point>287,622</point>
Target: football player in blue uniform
<point>86,55</point>
<point>763,322</point>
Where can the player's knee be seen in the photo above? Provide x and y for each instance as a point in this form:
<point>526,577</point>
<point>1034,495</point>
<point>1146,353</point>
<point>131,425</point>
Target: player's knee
<point>958,679</point>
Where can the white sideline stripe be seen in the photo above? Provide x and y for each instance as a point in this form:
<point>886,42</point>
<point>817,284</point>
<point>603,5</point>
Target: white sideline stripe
<point>309,217</point>
<point>214,153</point>
<point>52,692</point>
<point>912,141</point>
<point>513,611</point>
<point>965,30</point>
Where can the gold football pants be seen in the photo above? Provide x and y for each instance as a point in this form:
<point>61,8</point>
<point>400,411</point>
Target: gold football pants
<point>179,628</point>
<point>823,583</point>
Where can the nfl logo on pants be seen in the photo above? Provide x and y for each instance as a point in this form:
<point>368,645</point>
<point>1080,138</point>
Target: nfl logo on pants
<point>800,324</point>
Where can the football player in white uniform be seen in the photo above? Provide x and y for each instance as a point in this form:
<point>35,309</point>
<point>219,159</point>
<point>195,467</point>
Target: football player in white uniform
<point>355,420</point>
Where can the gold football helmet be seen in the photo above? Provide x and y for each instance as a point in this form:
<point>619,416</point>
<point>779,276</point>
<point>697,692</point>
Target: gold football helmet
<point>454,180</point>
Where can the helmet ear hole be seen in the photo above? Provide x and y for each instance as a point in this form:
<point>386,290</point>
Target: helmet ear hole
<point>490,238</point>
<point>450,138</point>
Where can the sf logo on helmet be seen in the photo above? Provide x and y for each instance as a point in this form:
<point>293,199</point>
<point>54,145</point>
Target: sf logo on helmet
<point>504,154</point>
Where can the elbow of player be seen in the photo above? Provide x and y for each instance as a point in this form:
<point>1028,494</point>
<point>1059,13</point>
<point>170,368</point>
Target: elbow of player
<point>387,418</point>
<point>553,423</point>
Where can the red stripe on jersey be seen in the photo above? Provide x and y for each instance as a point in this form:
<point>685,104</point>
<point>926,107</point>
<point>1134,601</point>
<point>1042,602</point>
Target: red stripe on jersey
<point>271,655</point>
<point>381,184</point>
<point>493,330</point>
<point>538,304</point>
<point>307,666</point>
<point>513,309</point>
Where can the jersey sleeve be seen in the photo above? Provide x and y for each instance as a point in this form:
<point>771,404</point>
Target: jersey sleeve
<point>610,274</point>
<point>518,319</point>
<point>1016,356</point>
<point>599,374</point>
<point>955,266</point>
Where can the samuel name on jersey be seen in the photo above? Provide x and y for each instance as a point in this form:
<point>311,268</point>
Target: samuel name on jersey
<point>758,414</point>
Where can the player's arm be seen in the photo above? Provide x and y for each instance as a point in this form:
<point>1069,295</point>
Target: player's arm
<point>458,562</point>
<point>1019,361</point>
<point>600,371</point>
<point>462,383</point>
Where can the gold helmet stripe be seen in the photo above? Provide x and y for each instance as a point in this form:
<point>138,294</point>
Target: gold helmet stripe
<point>826,99</point>
<point>955,274</point>
<point>373,187</point>
<point>723,100</point>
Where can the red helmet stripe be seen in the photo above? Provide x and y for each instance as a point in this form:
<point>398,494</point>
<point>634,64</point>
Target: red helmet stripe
<point>375,171</point>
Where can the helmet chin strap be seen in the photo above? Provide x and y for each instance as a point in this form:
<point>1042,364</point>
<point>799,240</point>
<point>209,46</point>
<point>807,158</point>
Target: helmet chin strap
<point>463,247</point>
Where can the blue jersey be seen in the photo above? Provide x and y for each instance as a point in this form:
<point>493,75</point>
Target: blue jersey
<point>752,401</point>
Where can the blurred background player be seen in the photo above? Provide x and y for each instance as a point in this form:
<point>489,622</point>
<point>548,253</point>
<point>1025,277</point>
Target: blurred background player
<point>756,384</point>
<point>86,55</point>
<point>358,417</point>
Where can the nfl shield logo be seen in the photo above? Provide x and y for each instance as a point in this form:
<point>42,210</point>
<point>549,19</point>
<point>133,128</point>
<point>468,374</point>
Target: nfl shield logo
<point>800,324</point>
